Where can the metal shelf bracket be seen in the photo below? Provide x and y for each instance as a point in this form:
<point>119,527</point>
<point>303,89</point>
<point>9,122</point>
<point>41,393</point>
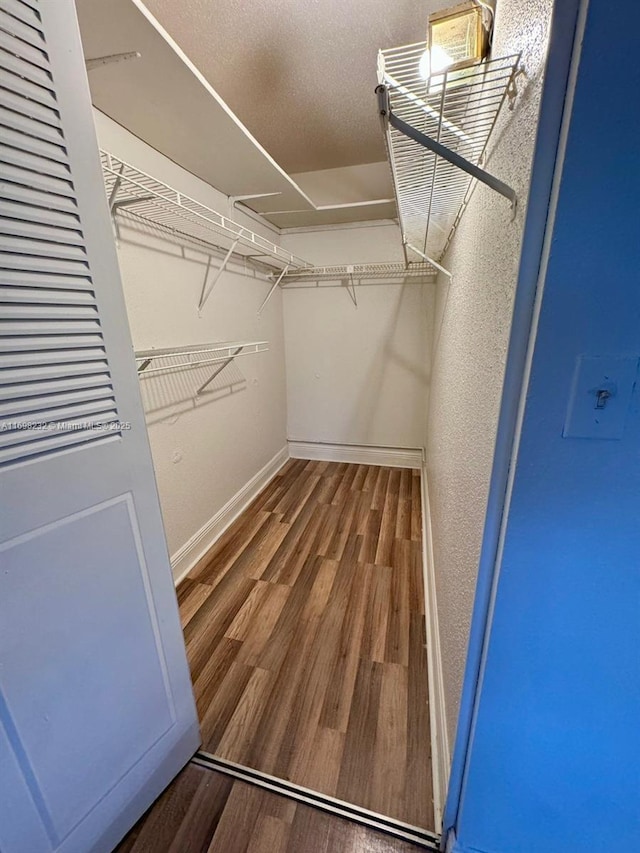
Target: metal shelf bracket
<point>273,289</point>
<point>429,260</point>
<point>206,292</point>
<point>351,288</point>
<point>219,369</point>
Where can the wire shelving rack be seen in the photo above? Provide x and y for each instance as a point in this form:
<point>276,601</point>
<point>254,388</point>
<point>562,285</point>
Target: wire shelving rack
<point>360,272</point>
<point>457,109</point>
<point>154,202</point>
<point>152,362</point>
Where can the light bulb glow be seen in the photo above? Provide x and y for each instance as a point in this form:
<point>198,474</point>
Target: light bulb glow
<point>434,61</point>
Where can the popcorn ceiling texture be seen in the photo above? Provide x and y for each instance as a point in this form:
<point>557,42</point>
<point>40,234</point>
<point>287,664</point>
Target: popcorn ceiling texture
<point>471,335</point>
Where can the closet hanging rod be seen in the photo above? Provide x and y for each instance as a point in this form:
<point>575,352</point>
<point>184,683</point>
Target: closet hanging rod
<point>155,202</point>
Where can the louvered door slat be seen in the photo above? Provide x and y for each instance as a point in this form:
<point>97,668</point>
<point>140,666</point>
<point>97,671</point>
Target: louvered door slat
<point>38,180</point>
<point>18,103</point>
<point>18,375</point>
<point>42,248</point>
<point>21,359</point>
<point>31,145</point>
<point>48,342</point>
<point>48,281</point>
<point>48,402</point>
<point>62,440</point>
<point>12,24</point>
<point>104,407</point>
<point>31,55</point>
<point>36,389</point>
<point>25,88</point>
<point>23,123</point>
<point>33,162</point>
<point>22,329</point>
<point>28,70</point>
<point>45,233</point>
<point>44,264</point>
<point>24,12</point>
<point>47,312</point>
<point>40,296</point>
<point>36,216</point>
<point>33,4</point>
<point>45,425</point>
<point>28,195</point>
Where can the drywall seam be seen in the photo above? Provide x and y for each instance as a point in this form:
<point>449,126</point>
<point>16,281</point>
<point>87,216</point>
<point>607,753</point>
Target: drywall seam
<point>440,753</point>
<point>360,454</point>
<point>195,548</point>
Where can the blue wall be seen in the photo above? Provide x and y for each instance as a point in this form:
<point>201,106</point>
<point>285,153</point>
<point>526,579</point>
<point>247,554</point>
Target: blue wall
<point>554,758</point>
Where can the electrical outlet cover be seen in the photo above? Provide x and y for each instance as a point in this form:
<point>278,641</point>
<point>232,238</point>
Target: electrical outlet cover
<point>609,380</point>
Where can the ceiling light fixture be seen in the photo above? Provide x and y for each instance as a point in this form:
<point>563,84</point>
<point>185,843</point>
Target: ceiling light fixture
<point>434,61</point>
<point>456,38</point>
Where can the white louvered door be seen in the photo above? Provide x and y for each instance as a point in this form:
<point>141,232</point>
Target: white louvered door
<point>96,707</point>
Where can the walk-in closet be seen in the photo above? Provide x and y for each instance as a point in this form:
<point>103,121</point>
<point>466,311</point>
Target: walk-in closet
<point>316,213</point>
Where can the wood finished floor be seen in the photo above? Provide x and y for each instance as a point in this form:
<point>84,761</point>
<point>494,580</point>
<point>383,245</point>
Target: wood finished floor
<point>304,628</point>
<point>203,811</point>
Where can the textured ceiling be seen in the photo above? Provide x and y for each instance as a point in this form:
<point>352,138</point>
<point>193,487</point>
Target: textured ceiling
<point>299,74</point>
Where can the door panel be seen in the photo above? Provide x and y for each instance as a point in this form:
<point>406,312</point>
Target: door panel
<point>96,706</point>
<point>54,740</point>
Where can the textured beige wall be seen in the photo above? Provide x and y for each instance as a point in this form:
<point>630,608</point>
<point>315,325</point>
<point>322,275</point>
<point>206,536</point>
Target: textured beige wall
<point>473,318</point>
<point>357,375</point>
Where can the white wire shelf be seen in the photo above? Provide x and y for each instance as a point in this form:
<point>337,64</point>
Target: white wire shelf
<point>152,201</point>
<point>360,273</point>
<point>151,362</point>
<point>457,109</point>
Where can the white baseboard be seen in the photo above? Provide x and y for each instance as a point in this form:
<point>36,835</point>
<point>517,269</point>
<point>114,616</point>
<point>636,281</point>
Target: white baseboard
<point>360,454</point>
<point>440,754</point>
<point>186,557</point>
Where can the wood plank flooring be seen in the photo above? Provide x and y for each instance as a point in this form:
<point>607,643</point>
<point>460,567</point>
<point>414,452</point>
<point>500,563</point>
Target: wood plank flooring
<point>304,628</point>
<point>203,811</point>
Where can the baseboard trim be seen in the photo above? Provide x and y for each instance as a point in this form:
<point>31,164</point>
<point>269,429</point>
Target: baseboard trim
<point>360,454</point>
<point>186,557</point>
<point>440,754</point>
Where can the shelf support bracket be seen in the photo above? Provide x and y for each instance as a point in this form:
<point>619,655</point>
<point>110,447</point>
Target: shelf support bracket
<point>429,260</point>
<point>143,366</point>
<point>116,205</point>
<point>351,287</point>
<point>114,190</point>
<point>219,370</point>
<point>384,108</point>
<point>206,292</point>
<point>273,288</point>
